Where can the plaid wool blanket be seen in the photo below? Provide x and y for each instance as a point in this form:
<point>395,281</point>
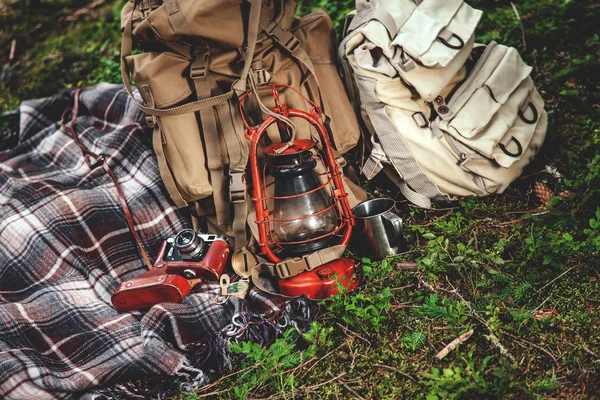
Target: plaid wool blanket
<point>65,246</point>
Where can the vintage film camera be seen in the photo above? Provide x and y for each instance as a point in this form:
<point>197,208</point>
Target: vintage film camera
<point>183,261</point>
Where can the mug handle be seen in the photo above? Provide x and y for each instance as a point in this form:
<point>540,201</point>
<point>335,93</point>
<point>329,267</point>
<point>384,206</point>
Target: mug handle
<point>396,221</point>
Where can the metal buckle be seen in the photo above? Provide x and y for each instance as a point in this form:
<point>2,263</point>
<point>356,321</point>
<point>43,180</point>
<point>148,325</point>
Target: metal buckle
<point>284,38</point>
<point>237,187</point>
<point>200,63</point>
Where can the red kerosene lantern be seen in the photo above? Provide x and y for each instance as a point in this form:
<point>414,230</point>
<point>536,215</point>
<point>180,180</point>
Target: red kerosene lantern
<point>309,208</point>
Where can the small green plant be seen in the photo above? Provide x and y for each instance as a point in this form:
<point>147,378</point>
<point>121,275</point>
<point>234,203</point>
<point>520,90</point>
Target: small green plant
<point>374,269</point>
<point>454,312</point>
<point>414,340</point>
<point>268,365</point>
<point>367,311</point>
<point>461,378</point>
<point>492,313</point>
<point>545,385</point>
<point>319,337</point>
<point>520,317</point>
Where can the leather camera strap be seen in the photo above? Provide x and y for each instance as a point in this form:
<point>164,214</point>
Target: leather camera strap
<point>101,161</point>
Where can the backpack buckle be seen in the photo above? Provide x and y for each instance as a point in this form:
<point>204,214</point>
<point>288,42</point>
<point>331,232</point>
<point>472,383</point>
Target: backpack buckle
<point>200,64</point>
<point>292,267</point>
<point>284,38</point>
<point>262,76</point>
<point>420,119</point>
<point>150,120</point>
<point>237,187</point>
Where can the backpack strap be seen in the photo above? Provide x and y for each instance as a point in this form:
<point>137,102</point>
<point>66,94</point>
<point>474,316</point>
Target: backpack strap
<point>294,266</point>
<point>253,29</point>
<point>176,19</point>
<point>238,150</point>
<point>421,189</point>
<point>206,87</point>
<point>374,14</point>
<point>233,133</point>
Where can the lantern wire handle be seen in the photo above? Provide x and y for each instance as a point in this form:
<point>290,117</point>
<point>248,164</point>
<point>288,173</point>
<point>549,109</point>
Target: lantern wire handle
<point>315,110</point>
<point>278,116</point>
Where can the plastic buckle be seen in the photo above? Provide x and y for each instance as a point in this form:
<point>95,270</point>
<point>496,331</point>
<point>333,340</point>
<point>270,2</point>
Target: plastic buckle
<point>292,267</point>
<point>150,120</point>
<point>420,119</point>
<point>284,38</point>
<point>237,187</point>
<point>262,76</point>
<point>200,63</point>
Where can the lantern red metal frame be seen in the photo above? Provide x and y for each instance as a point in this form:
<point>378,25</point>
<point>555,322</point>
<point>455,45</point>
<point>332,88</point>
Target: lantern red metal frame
<point>260,198</point>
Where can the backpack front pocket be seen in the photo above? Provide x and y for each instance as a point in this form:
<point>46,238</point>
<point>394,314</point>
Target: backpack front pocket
<point>497,95</point>
<point>165,73</point>
<point>437,31</point>
<point>163,80</point>
<point>433,44</point>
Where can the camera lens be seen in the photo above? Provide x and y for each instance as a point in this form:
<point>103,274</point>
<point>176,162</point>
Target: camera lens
<point>190,245</point>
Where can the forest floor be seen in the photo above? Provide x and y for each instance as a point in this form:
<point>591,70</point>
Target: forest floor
<point>515,275</point>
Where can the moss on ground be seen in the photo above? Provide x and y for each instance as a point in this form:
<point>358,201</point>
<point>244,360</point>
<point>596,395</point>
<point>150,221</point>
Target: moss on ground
<point>522,275</point>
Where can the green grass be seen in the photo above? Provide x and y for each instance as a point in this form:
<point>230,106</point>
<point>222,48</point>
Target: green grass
<point>54,55</point>
<point>523,276</point>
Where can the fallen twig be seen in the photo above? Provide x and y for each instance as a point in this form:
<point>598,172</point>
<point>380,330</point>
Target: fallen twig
<point>353,333</point>
<point>318,385</point>
<point>403,288</point>
<point>492,336</point>
<point>555,279</point>
<point>525,343</point>
<point>348,388</point>
<point>407,266</point>
<point>523,212</point>
<point>438,218</point>
<point>13,48</point>
<point>590,352</point>
<point>83,11</point>
<point>396,370</point>
<point>322,358</point>
<point>452,345</point>
<point>221,379</point>
<point>521,24</point>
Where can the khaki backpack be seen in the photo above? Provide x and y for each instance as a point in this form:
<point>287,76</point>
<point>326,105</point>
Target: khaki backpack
<point>443,117</point>
<point>198,57</point>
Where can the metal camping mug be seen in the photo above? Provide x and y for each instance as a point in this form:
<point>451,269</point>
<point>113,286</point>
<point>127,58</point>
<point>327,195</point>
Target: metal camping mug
<point>378,228</point>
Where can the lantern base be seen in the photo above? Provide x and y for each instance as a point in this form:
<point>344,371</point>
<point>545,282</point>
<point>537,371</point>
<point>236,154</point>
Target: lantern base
<point>322,282</point>
<point>298,250</point>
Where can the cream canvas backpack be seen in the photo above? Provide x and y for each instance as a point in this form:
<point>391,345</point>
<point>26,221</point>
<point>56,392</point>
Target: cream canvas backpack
<point>443,116</point>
